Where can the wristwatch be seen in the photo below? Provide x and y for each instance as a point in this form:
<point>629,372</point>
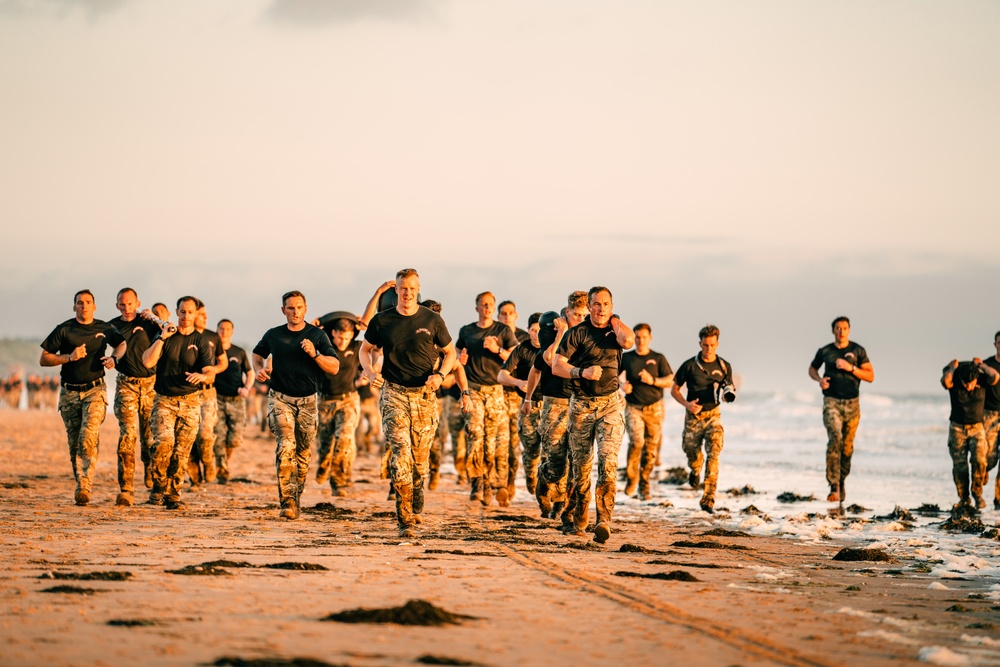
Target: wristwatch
<point>466,393</point>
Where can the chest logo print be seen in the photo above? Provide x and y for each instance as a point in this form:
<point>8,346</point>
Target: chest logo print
<point>423,330</point>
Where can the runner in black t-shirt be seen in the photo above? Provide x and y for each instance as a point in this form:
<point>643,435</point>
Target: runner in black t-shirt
<point>133,394</point>
<point>705,375</point>
<point>591,353</point>
<point>201,465</point>
<point>301,353</point>
<point>339,410</point>
<point>967,384</point>
<point>183,360</point>
<point>78,346</point>
<point>845,364</point>
<point>507,314</point>
<point>411,339</point>
<point>514,376</point>
<point>991,423</point>
<point>482,346</point>
<point>645,374</point>
<point>232,388</point>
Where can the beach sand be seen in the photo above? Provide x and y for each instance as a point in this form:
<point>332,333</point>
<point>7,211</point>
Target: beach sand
<point>537,597</point>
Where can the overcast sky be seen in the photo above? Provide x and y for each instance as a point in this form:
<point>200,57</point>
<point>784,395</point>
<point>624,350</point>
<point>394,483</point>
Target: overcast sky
<point>762,165</point>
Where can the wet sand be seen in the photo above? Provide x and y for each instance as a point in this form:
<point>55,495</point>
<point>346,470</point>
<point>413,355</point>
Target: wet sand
<point>537,597</point>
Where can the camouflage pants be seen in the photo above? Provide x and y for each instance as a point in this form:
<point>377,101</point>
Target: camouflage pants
<point>232,419</point>
<point>133,408</point>
<point>595,422</point>
<point>967,442</point>
<point>644,425</point>
<point>292,420</point>
<point>840,417</point>
<point>456,429</point>
<point>440,435</point>
<point>369,433</point>
<point>202,462</point>
<point>531,439</point>
<point>82,413</point>
<point>704,431</point>
<point>553,472</point>
<point>410,421</point>
<point>174,425</point>
<point>485,437</point>
<point>991,424</point>
<point>512,401</point>
<point>335,445</point>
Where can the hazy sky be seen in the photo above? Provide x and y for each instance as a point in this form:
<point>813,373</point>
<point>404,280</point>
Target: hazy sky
<point>763,165</point>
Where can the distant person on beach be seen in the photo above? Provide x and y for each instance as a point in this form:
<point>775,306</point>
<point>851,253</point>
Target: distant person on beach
<point>183,360</point>
<point>300,354</point>
<point>991,423</point>
<point>591,354</point>
<point>133,394</point>
<point>967,384</point>
<point>706,376</point>
<point>411,339</point>
<point>483,346</point>
<point>845,364</point>
<point>232,388</point>
<point>78,346</point>
<point>507,314</point>
<point>201,466</point>
<point>645,374</point>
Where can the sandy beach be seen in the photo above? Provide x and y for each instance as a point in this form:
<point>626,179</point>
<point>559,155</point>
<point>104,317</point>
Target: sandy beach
<point>532,596</point>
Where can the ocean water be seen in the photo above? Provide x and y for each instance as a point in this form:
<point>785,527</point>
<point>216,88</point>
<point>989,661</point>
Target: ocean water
<point>776,443</point>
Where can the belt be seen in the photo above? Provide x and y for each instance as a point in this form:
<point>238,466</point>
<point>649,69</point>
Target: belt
<point>479,387</point>
<point>132,380</point>
<point>409,390</point>
<point>336,397</point>
<point>205,387</point>
<point>83,387</point>
<point>557,401</point>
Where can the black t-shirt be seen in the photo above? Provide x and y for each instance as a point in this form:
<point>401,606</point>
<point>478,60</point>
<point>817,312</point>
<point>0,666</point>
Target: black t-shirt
<point>967,406</point>
<point>703,378</point>
<point>653,363</point>
<point>483,366</point>
<point>230,381</point>
<point>586,345</point>
<point>214,343</point>
<point>343,381</point>
<point>138,335</point>
<point>992,392</point>
<point>519,364</point>
<point>181,354</point>
<point>69,335</point>
<point>521,335</point>
<point>843,385</point>
<point>410,344</point>
<point>549,384</point>
<point>294,372</point>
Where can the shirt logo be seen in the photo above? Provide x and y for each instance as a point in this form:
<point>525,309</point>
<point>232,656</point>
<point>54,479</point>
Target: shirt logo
<point>137,330</point>
<point>423,330</point>
<point>192,346</point>
<point>849,355</point>
<point>717,372</point>
<point>348,353</point>
<point>651,362</point>
<point>98,335</point>
<point>235,360</point>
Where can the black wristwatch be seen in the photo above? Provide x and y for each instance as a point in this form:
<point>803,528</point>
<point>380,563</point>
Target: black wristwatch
<point>316,356</point>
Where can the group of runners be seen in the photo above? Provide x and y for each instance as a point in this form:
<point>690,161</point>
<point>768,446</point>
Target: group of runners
<point>550,399</point>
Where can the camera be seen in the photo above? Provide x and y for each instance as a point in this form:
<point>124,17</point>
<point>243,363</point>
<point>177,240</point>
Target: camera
<point>725,393</point>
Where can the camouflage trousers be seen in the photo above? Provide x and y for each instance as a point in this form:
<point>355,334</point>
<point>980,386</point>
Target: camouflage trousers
<point>410,420</point>
<point>554,469</point>
<point>133,409</point>
<point>202,461</point>
<point>991,424</point>
<point>82,413</point>
<point>486,437</point>
<point>369,434</point>
<point>512,402</point>
<point>456,429</point>
<point>232,419</point>
<point>336,448</point>
<point>595,422</point>
<point>840,417</point>
<point>644,425</point>
<point>174,426</point>
<point>967,443</point>
<point>530,437</point>
<point>292,420</point>
<point>702,442</point>
<point>440,435</point>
